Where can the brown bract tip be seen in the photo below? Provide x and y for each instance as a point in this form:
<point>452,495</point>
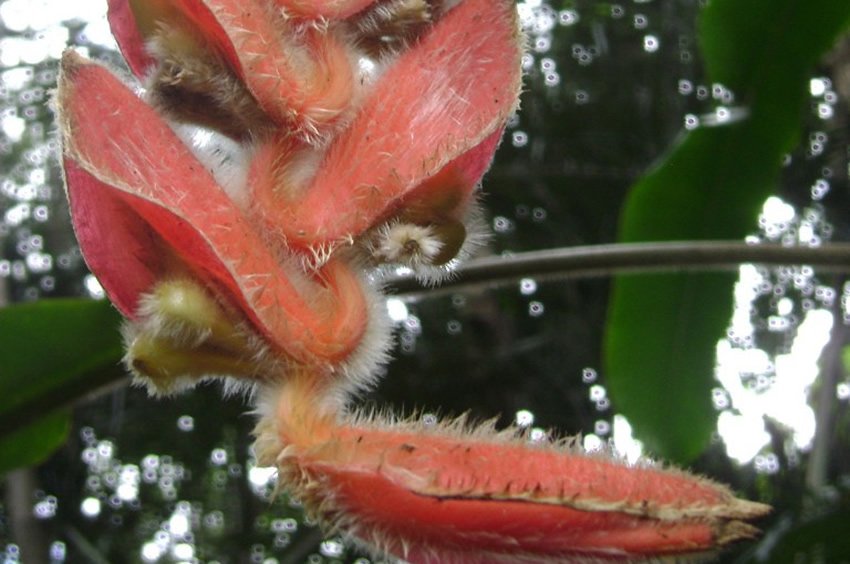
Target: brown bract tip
<point>69,67</point>
<point>744,509</point>
<point>71,63</point>
<point>733,531</point>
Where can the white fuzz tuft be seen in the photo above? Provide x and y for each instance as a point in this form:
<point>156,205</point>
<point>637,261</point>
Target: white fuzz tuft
<point>407,244</point>
<point>477,236</point>
<point>404,244</point>
<point>363,368</point>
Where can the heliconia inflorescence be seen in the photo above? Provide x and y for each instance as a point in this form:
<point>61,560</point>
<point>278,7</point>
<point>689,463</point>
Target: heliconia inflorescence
<point>234,212</point>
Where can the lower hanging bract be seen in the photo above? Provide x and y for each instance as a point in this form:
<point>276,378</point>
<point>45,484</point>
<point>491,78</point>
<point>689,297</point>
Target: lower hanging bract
<point>451,492</point>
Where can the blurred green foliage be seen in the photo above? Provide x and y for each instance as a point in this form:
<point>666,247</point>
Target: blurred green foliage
<point>53,352</point>
<point>663,329</point>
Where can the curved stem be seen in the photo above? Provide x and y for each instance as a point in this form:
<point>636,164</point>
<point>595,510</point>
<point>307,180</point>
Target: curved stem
<point>607,260</point>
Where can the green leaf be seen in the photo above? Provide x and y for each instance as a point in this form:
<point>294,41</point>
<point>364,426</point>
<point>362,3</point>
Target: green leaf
<point>33,443</point>
<point>662,330</point>
<point>54,352</point>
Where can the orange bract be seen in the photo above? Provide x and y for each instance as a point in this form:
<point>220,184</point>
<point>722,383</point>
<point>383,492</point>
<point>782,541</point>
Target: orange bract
<point>455,493</point>
<point>446,100</point>
<point>166,203</point>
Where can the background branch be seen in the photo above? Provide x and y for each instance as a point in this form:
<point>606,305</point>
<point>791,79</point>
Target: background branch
<point>607,260</point>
